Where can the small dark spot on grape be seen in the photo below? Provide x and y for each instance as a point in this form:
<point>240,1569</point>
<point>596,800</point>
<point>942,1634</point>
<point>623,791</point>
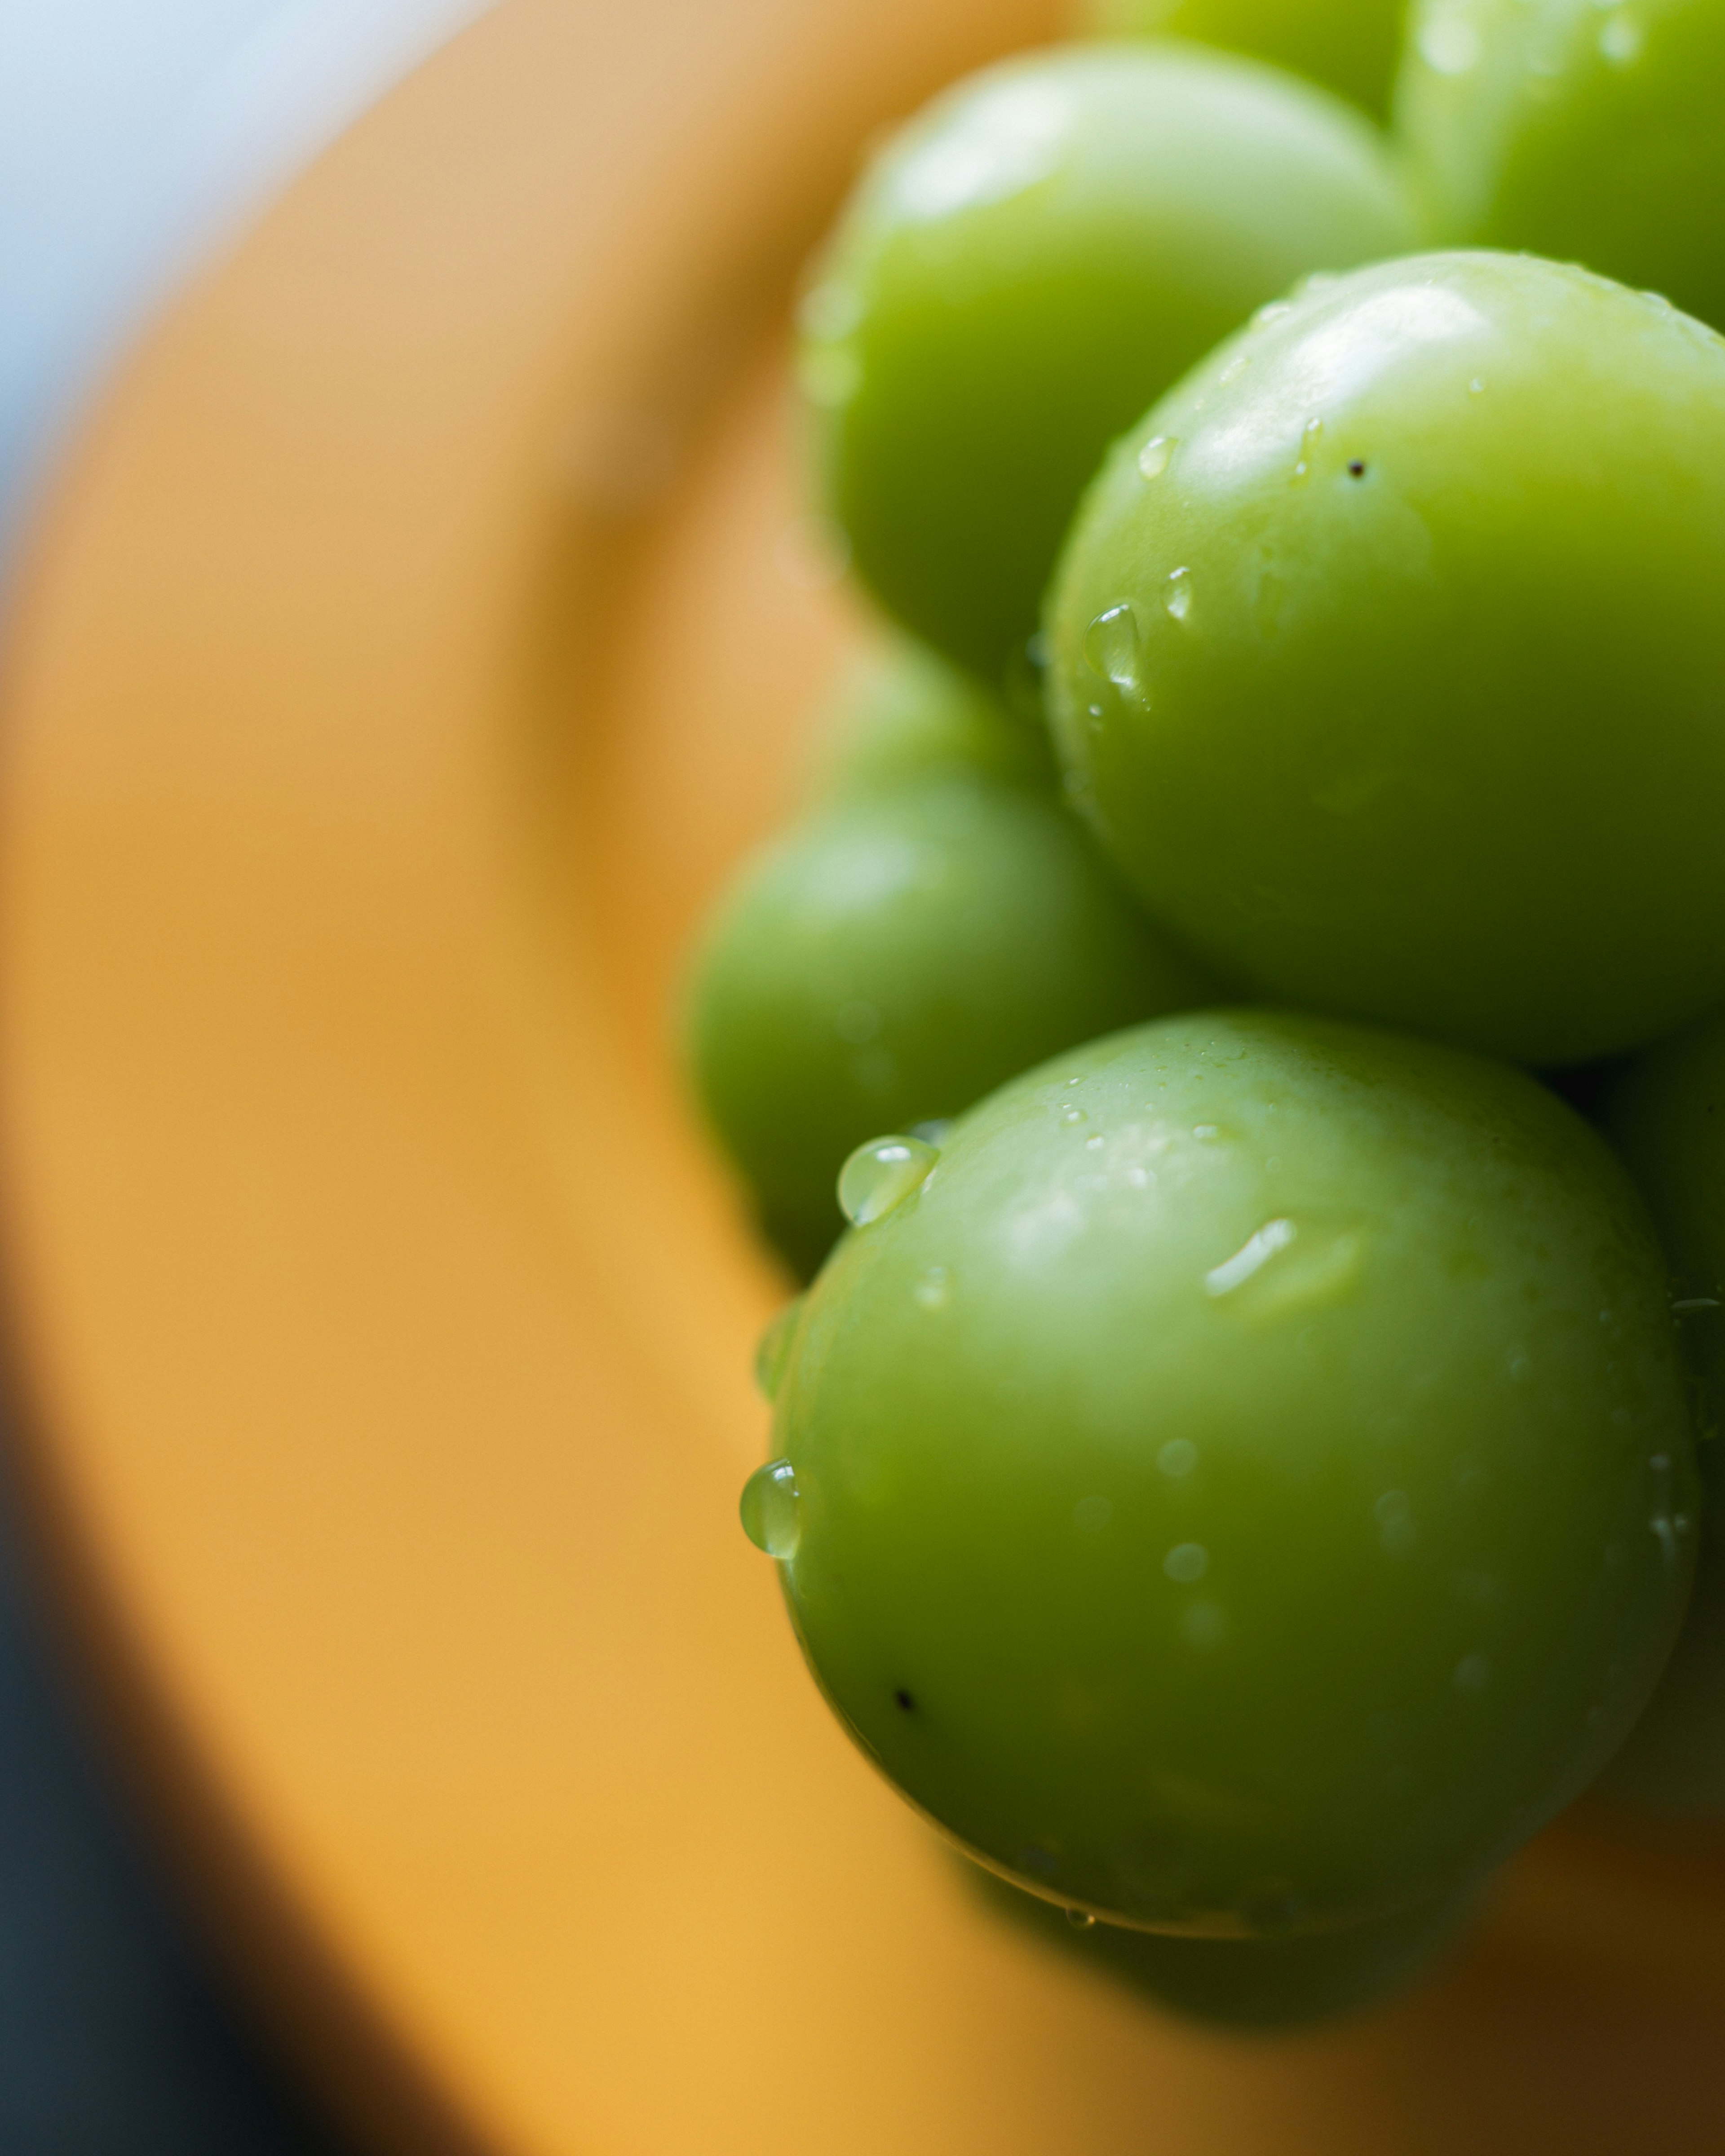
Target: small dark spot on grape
<point>1356,470</point>
<point>905,1701</point>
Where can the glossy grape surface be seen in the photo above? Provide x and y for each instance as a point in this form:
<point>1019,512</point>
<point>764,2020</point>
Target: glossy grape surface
<point>1031,262</point>
<point>1667,1117</point>
<point>1237,1491</point>
<point>1587,132</point>
<point>888,962</point>
<point>1389,659</point>
<point>1348,45</point>
<point>1266,1984</point>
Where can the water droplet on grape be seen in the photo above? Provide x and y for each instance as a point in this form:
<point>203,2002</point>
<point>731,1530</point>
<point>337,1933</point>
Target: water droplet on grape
<point>1252,1257</point>
<point>1661,1523</point>
<point>1110,647</point>
<point>1271,313</point>
<point>771,1510</point>
<point>1691,1305</point>
<point>774,1351</point>
<point>1070,1116</point>
<point>1080,1920</point>
<point>881,1175</point>
<point>1153,457</point>
<point>1177,1458</point>
<point>1476,387</point>
<point>934,1290</point>
<point>1308,444</point>
<point>1186,1563</point>
<point>1235,368</point>
<point>1179,600</point>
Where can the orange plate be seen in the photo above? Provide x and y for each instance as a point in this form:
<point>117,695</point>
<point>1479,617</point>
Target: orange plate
<point>421,628</point>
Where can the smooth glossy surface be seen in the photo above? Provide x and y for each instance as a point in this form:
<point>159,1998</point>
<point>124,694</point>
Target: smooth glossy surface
<point>1587,130</point>
<point>1667,1117</point>
<point>1271,1523</point>
<point>1026,266</point>
<point>1400,686</point>
<point>886,962</point>
<point>1348,45</point>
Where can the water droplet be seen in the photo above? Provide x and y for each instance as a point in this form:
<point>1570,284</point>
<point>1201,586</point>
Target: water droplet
<point>1691,1305</point>
<point>1235,368</point>
<point>1252,1257</point>
<point>773,1352</point>
<point>1620,40</point>
<point>1308,444</point>
<point>934,1290</point>
<point>1072,1115</point>
<point>1110,647</point>
<point>771,1510</point>
<point>1178,600</point>
<point>1661,1519</point>
<point>1187,1562</point>
<point>933,1132</point>
<point>1448,46</point>
<point>1271,313</point>
<point>1153,457</point>
<point>1472,1674</point>
<point>1476,387</point>
<point>1203,1130</point>
<point>1177,1458</point>
<point>1521,1367</point>
<point>1092,1514</point>
<point>857,1023</point>
<point>881,1175</point>
<point>1080,1920</point>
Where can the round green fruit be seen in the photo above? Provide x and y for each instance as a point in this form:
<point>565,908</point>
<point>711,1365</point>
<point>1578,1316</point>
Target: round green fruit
<point>1667,1116</point>
<point>1236,1491</point>
<point>889,961</point>
<point>903,714</point>
<point>1389,664</point>
<point>1349,45</point>
<point>1591,133</point>
<point>1032,260</point>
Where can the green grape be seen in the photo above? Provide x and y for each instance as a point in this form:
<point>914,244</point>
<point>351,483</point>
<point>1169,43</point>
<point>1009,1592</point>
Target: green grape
<point>1388,663</point>
<point>1585,131</point>
<point>889,961</point>
<point>1036,256</point>
<point>1349,45</point>
<point>904,713</point>
<point>1264,1984</point>
<point>1235,1492</point>
<point>1667,1116</point>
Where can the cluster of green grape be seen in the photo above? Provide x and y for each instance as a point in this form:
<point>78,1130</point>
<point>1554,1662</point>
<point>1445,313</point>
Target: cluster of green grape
<point>1240,1472</point>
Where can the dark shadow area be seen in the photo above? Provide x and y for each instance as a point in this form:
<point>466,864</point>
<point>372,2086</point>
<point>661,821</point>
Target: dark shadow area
<point>115,2037</point>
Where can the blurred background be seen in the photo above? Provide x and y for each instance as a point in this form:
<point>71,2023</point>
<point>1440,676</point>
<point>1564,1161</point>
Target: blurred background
<point>134,135</point>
